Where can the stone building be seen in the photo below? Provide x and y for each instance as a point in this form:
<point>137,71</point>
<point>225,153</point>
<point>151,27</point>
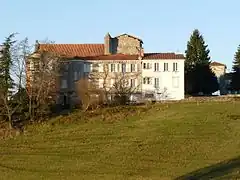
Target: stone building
<point>220,71</point>
<point>159,75</point>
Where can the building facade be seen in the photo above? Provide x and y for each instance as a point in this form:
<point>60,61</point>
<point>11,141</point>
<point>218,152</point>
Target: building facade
<point>158,76</point>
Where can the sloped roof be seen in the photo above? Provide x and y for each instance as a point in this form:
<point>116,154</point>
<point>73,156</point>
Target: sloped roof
<point>96,52</point>
<point>125,34</point>
<point>135,57</point>
<point>72,50</point>
<point>214,63</point>
<point>163,56</point>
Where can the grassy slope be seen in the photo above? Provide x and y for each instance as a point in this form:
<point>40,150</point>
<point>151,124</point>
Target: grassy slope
<point>163,143</point>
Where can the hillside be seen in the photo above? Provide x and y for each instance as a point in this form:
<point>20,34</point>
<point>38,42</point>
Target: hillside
<point>159,142</point>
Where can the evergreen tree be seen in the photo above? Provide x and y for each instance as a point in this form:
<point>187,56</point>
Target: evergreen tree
<point>198,75</point>
<point>6,82</point>
<point>236,71</point>
<point>197,52</point>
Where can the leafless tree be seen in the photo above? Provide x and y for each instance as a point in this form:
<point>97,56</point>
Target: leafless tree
<point>101,80</point>
<point>116,84</point>
<point>42,86</point>
<point>20,54</point>
<point>90,95</point>
<point>125,87</point>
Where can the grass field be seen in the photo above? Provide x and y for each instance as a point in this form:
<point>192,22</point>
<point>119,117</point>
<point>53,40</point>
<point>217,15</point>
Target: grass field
<point>174,141</point>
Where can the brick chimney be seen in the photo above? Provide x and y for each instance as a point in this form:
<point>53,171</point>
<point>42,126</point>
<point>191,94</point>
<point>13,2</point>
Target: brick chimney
<point>107,44</point>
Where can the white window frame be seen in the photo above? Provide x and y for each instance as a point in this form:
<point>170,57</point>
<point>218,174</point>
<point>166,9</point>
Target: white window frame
<point>165,66</point>
<point>124,67</point>
<point>112,68</point>
<point>118,67</point>
<point>133,67</point>
<point>147,66</point>
<point>156,67</point>
<point>156,82</point>
<point>132,83</point>
<point>146,80</point>
<point>175,67</point>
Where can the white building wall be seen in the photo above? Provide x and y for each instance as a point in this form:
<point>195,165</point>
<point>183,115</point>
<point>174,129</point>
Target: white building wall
<point>166,90</point>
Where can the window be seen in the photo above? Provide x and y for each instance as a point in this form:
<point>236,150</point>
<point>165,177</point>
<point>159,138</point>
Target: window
<point>112,67</point>
<point>149,95</point>
<point>175,67</point>
<point>156,66</point>
<point>146,66</point>
<point>75,75</point>
<point>64,83</point>
<point>175,82</point>
<point>156,82</point>
<point>86,67</point>
<point>147,80</point>
<point>124,68</point>
<point>165,66</point>
<point>132,82</point>
<point>132,67</point>
<point>95,67</point>
<point>118,67</point>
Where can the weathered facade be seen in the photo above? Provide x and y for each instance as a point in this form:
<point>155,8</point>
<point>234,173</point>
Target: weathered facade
<point>123,44</point>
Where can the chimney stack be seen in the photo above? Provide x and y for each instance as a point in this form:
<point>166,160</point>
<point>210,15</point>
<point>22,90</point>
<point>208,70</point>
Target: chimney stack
<point>107,44</point>
<point>36,46</point>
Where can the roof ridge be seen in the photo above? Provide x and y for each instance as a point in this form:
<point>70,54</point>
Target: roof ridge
<point>72,44</point>
<point>161,53</point>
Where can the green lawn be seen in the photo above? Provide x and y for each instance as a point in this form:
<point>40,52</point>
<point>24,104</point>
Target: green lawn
<point>164,142</point>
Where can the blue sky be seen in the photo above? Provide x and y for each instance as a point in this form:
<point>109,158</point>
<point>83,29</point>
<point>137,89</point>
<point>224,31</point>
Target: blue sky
<point>164,25</point>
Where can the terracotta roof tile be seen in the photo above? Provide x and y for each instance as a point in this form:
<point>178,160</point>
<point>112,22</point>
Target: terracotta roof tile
<point>163,56</point>
<point>111,57</point>
<point>72,50</point>
<point>96,52</point>
<point>135,57</point>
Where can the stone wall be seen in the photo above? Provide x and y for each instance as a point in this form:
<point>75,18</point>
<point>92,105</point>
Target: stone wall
<point>123,44</point>
<point>128,45</point>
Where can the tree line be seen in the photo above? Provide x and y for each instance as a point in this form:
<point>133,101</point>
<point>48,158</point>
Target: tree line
<point>23,99</point>
<point>199,77</point>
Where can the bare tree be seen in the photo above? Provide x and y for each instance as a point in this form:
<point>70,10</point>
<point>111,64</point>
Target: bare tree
<point>125,87</point>
<point>119,86</point>
<point>43,75</point>
<point>101,80</point>
<point>90,95</point>
<point>20,54</point>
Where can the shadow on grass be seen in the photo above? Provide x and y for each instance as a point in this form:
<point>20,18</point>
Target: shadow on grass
<point>229,169</point>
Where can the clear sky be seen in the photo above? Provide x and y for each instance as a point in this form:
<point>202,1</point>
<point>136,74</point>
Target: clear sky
<point>164,25</point>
